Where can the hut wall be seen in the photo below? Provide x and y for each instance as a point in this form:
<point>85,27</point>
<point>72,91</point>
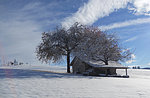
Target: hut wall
<point>109,71</point>
<point>99,71</point>
<point>113,71</point>
<point>78,67</point>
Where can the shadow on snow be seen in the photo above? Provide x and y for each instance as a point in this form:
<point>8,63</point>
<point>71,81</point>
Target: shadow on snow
<point>22,73</point>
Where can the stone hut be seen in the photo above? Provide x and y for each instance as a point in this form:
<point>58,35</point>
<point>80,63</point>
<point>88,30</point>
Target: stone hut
<point>80,66</point>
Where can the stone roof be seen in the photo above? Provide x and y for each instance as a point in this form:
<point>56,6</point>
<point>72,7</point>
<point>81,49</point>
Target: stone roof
<point>111,64</point>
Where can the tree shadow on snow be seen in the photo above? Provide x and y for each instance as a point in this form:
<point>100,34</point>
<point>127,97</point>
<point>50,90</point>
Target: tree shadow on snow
<point>22,73</point>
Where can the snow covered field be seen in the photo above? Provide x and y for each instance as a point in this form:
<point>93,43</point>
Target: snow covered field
<point>23,82</point>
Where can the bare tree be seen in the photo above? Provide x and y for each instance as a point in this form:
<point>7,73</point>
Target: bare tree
<point>101,46</point>
<point>60,42</point>
<point>79,40</point>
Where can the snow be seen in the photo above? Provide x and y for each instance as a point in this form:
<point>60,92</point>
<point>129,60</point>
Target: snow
<point>37,67</point>
<point>115,65</point>
<point>23,82</point>
<point>95,63</point>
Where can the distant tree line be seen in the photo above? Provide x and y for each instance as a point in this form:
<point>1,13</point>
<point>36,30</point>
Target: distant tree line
<point>15,62</point>
<point>136,67</point>
<point>87,42</point>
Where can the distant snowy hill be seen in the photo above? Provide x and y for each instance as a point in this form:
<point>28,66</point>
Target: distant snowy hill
<point>146,68</point>
<point>38,67</point>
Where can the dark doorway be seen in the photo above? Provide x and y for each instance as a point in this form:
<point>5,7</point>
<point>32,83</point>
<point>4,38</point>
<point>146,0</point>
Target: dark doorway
<point>108,72</point>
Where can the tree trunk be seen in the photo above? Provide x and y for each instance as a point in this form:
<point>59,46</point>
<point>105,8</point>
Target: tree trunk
<point>106,62</point>
<point>68,62</point>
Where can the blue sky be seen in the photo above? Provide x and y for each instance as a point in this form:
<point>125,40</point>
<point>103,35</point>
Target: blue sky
<point>23,21</point>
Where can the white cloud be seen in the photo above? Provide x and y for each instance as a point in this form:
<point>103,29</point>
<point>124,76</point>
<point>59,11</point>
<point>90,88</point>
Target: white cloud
<point>19,39</point>
<point>131,39</point>
<point>20,31</point>
<point>93,10</point>
<point>126,23</point>
<point>141,7</point>
<point>148,64</point>
<point>132,59</point>
<point>31,6</point>
<point>126,49</point>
